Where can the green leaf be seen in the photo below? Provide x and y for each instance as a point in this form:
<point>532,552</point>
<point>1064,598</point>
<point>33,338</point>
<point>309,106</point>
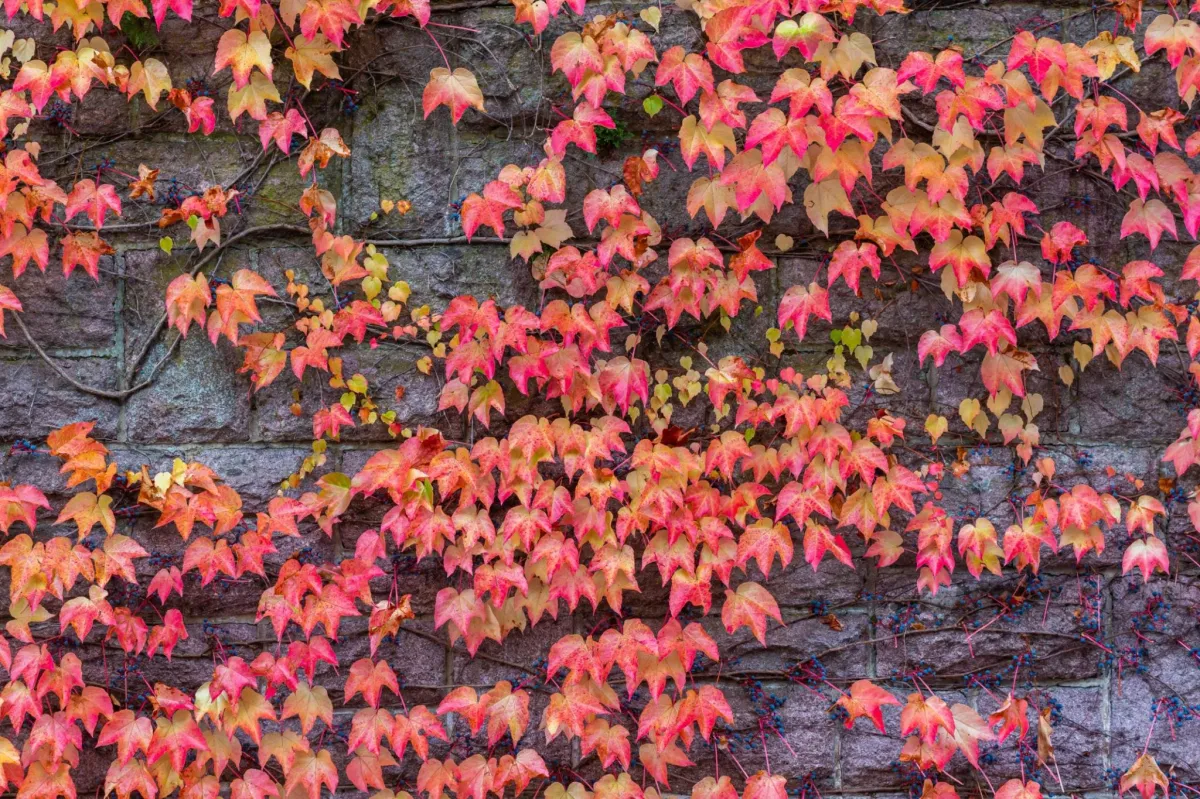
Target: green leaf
<point>139,31</point>
<point>166,244</point>
<point>652,104</point>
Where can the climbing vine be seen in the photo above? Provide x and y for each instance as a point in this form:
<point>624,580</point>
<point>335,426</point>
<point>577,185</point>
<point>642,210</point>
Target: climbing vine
<point>560,486</point>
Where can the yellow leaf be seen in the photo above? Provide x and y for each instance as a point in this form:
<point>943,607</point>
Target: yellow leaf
<point>968,409</point>
<point>524,244</point>
<point>935,425</point>
<point>1083,354</point>
<point>252,98</point>
<point>309,57</point>
<point>999,403</point>
<point>822,198</point>
<point>1109,51</point>
<point>1010,426</point>
<point>1031,406</point>
<point>982,423</point>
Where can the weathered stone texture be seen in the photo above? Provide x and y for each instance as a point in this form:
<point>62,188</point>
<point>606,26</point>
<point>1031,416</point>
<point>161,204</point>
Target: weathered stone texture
<point>971,642</point>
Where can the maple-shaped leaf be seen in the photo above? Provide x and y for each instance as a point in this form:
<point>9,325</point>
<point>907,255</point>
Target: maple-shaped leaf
<point>174,738</point>
<point>508,712</point>
<point>182,9</point>
<point>209,559</point>
<point>774,133</point>
<point>252,99</point>
<point>131,734</point>
<point>319,150</point>
<point>285,747</point>
<point>609,742</point>
<point>939,344</point>
<point>1024,542</point>
<point>713,196</point>
<point>712,141</point>
<point>328,17</point>
<point>150,77</point>
<point>253,784</point>
<point>686,72</point>
<point>1015,789</point>
<point>656,761</point>
<point>309,56</point>
<point>1176,36</point>
<point>761,541</point>
<point>87,510</point>
<point>990,329</point>
<point>41,81</point>
<point>1110,51</point>
<point>1146,776</point>
<point>81,613</point>
<point>927,70</point>
<point>622,379</point>
<point>386,618</point>
<point>1060,240</point>
<point>1148,555</point>
<point>803,92</point>
<point>243,52</point>
<point>569,710</point>
<point>464,701</point>
<point>280,128</point>
<point>966,256</point>
<point>804,34</point>
<point>1159,124</point>
<point>729,32</point>
<point>1151,218</point>
<point>457,90</point>
<point>1040,55</point>
<point>308,704</point>
<point>762,785</point>
<point>1005,369</point>
<point>198,110</point>
<point>969,730</point>
<point>20,503</point>
<point>927,716</point>
<point>1010,717</point>
<point>310,772</point>
<point>822,198</point>
<point>850,259</point>
<point>818,540</point>
<point>1140,517</point>
<point>25,245</point>
<point>711,788</point>
<point>93,198</point>
<point>799,303</point>
<point>750,606</point>
<point>866,699</point>
<point>576,55</point>
<point>188,299</point>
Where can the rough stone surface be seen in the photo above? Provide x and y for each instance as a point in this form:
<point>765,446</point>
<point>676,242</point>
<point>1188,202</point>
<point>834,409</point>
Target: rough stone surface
<point>1080,641</point>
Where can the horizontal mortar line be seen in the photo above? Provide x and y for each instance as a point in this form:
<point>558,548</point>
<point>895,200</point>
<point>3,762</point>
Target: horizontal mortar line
<point>376,446</point>
<point>12,355</point>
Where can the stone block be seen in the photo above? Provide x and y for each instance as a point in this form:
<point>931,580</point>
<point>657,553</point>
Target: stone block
<point>67,313</point>
<point>38,399</point>
<point>197,397</point>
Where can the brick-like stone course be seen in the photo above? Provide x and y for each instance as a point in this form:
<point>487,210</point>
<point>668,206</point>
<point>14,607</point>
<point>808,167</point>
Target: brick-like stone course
<point>842,625</point>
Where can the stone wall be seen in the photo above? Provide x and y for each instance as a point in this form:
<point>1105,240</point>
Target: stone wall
<point>854,624</point>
